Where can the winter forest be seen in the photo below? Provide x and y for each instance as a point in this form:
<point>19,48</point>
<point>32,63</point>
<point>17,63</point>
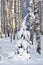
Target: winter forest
<point>21,32</point>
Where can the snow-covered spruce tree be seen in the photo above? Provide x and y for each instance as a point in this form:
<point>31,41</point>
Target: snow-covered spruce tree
<point>37,23</point>
<point>23,43</point>
<point>31,18</point>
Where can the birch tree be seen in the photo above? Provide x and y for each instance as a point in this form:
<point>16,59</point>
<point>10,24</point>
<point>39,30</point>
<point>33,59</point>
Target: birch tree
<point>37,23</point>
<point>31,18</point>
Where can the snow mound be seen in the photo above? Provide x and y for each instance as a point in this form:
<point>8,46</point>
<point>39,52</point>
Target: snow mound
<point>1,59</point>
<point>24,56</point>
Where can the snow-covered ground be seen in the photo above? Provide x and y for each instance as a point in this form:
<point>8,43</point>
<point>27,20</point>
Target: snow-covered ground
<point>7,49</point>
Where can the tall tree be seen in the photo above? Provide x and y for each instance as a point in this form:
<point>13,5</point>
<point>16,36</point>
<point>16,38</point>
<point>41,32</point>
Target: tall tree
<point>0,21</point>
<point>37,23</point>
<point>18,14</point>
<point>31,18</point>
